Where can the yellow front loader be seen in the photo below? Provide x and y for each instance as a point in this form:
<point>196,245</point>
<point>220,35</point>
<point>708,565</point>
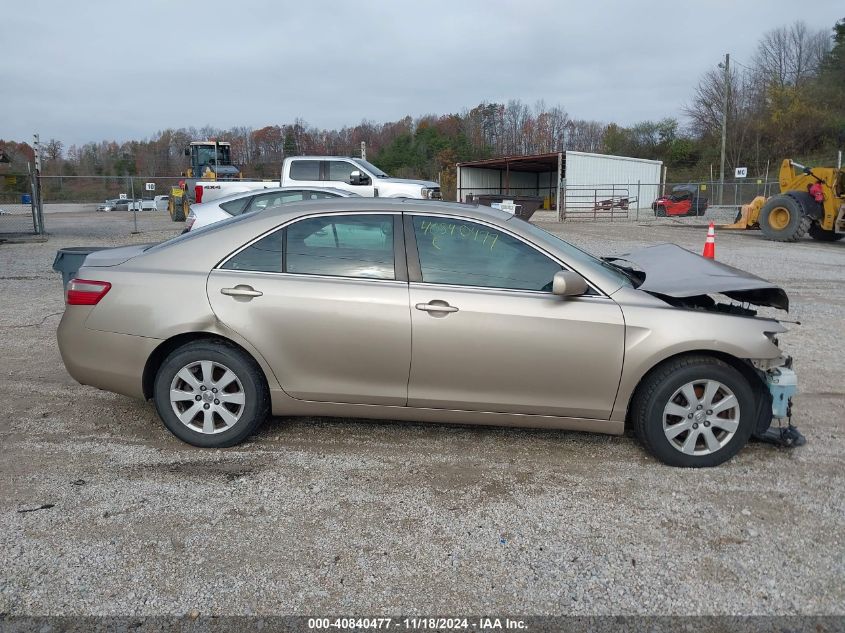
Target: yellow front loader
<point>811,200</point>
<point>210,160</point>
<point>179,205</point>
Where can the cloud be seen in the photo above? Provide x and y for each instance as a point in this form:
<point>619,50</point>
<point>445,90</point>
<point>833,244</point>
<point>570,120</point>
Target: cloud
<point>112,70</point>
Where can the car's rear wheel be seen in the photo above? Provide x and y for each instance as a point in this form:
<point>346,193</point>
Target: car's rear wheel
<point>211,394</point>
<point>694,411</point>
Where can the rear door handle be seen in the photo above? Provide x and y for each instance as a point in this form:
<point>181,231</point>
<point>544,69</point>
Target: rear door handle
<point>436,307</point>
<point>241,291</point>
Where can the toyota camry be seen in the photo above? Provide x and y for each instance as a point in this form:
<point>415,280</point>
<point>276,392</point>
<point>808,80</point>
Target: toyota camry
<point>429,311</point>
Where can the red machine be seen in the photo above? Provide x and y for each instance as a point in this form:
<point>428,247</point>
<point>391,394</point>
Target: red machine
<point>684,200</point>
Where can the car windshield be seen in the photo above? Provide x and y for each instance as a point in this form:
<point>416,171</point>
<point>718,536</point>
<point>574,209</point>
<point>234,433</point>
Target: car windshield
<point>375,171</point>
<point>589,260</point>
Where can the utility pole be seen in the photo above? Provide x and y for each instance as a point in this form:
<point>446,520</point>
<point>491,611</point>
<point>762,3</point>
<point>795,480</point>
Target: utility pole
<point>38,220</point>
<point>727,67</point>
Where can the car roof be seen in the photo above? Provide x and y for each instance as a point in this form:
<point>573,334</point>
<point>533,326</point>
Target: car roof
<point>254,192</point>
<point>390,205</point>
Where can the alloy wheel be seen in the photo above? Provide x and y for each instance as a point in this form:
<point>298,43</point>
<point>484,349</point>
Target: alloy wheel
<point>207,397</point>
<point>701,417</point>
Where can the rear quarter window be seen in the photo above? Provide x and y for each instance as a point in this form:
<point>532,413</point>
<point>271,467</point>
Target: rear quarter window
<point>265,255</point>
<point>236,207</point>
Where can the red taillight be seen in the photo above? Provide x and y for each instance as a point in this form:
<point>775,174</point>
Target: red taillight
<point>84,292</point>
<point>198,193</point>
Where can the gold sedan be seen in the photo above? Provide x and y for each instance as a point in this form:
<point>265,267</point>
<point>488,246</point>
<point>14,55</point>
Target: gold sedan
<point>428,311</point>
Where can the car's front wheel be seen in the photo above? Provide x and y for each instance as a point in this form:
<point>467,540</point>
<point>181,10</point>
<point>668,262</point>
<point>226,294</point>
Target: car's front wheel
<point>211,394</point>
<point>694,411</point>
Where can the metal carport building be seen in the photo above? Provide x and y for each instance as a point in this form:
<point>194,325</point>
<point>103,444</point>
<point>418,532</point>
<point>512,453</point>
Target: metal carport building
<point>572,183</point>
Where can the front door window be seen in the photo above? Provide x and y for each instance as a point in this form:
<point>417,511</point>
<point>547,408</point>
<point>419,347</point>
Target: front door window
<point>464,253</point>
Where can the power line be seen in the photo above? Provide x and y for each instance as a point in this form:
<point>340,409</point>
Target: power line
<point>735,61</point>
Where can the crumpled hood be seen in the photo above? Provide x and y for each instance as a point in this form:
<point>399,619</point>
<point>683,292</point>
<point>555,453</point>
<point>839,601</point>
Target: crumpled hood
<point>403,181</point>
<point>676,272</point>
<point>114,256</point>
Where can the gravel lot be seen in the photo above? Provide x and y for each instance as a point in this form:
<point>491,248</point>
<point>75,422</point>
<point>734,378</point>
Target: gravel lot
<point>317,516</point>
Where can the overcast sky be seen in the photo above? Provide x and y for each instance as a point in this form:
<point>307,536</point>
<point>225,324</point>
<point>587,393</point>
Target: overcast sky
<point>114,69</point>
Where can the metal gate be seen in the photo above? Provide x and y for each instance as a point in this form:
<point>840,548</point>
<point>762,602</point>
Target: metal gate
<point>21,212</point>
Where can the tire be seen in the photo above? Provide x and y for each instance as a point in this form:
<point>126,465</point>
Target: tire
<point>660,412</point>
<point>218,423</point>
<point>822,235</point>
<point>178,214</point>
<point>660,211</point>
<point>784,219</point>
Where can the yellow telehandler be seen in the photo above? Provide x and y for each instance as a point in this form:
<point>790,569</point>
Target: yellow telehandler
<point>810,200</point>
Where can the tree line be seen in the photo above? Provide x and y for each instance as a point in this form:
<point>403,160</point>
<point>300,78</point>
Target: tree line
<point>788,100</point>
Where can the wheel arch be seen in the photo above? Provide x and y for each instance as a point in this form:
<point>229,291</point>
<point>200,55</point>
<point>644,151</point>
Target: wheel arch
<point>161,352</point>
<point>808,204</point>
<point>755,382</point>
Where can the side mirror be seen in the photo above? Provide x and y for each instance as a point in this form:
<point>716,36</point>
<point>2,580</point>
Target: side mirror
<point>568,284</point>
<point>357,178</point>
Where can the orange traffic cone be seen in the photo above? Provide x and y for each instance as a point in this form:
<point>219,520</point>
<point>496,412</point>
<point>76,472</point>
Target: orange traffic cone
<point>710,243</point>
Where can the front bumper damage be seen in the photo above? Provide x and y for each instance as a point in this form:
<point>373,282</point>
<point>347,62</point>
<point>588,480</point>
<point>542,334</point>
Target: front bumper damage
<point>774,421</point>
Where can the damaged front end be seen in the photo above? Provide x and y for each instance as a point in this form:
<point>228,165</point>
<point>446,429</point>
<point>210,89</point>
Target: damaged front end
<point>774,410</point>
<point>686,280</point>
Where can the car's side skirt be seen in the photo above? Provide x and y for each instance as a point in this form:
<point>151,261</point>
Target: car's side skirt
<point>284,405</point>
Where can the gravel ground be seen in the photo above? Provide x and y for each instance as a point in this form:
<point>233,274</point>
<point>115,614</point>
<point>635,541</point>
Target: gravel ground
<point>318,516</point>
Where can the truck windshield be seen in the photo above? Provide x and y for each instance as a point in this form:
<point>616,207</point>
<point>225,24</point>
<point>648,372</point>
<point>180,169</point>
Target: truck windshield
<point>375,171</point>
<point>205,154</point>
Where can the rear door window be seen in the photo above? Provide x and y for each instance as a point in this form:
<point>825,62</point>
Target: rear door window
<point>305,170</point>
<point>342,245</point>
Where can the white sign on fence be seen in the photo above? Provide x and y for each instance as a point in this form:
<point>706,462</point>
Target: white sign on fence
<point>123,196</point>
<point>150,186</point>
<point>741,172</point>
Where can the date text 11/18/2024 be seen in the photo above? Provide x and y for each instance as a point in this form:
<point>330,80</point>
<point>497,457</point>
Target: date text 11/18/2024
<point>417,623</point>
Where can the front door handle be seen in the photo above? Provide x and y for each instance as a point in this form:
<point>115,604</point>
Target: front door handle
<point>241,291</point>
<point>439,306</point>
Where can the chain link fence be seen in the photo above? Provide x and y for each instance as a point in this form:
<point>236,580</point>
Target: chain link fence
<point>19,210</point>
<point>139,198</point>
<point>95,190</point>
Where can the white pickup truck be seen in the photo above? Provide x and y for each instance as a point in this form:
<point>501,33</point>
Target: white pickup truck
<point>338,172</point>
